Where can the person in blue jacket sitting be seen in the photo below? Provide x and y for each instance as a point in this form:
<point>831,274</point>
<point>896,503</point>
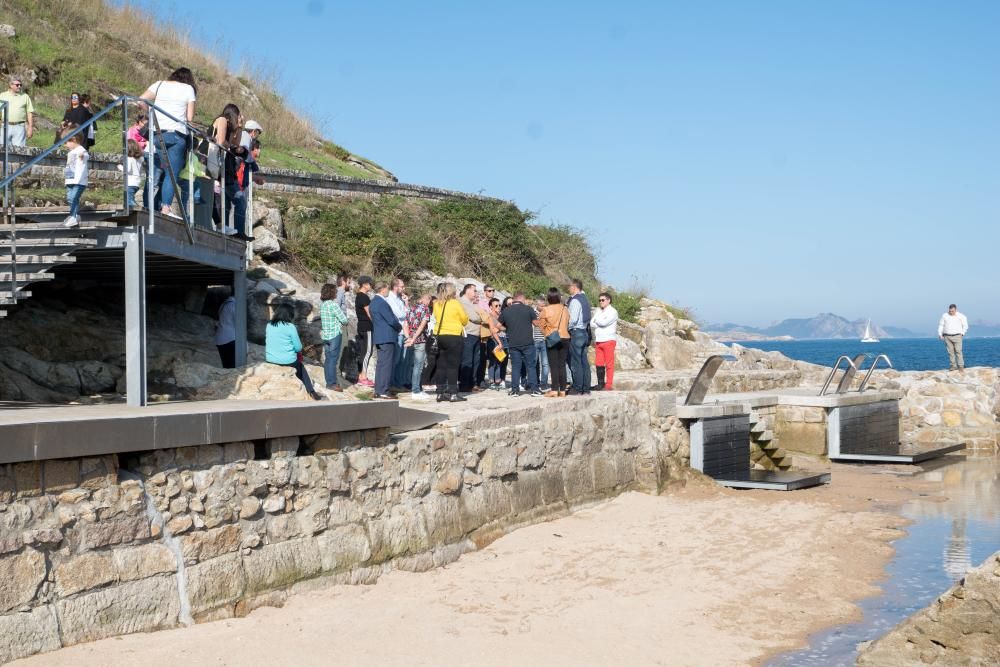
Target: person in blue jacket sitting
<point>283,347</point>
<point>386,332</point>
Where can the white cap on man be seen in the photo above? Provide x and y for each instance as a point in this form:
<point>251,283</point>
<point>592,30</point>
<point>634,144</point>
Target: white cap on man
<point>252,125</point>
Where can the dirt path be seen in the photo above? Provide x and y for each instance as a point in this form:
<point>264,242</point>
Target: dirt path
<point>701,576</point>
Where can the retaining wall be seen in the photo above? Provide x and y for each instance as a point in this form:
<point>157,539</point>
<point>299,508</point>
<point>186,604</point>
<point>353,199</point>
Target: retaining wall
<point>88,550</point>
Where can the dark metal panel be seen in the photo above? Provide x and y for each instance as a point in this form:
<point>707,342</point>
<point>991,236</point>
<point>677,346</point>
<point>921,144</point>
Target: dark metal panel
<point>870,428</point>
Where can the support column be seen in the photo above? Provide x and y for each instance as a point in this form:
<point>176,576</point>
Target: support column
<point>240,294</point>
<point>135,316</point>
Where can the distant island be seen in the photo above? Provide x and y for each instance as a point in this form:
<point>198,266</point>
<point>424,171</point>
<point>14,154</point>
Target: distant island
<point>830,325</point>
<point>824,325</point>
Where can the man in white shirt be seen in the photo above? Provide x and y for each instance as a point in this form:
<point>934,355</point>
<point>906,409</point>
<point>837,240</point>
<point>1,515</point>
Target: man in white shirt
<point>399,308</point>
<point>951,329</point>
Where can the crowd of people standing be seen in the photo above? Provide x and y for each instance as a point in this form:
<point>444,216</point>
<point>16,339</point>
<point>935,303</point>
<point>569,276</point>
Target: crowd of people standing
<point>454,343</point>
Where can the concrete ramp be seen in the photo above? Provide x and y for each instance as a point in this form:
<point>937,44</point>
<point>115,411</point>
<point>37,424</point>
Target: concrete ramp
<point>412,419</point>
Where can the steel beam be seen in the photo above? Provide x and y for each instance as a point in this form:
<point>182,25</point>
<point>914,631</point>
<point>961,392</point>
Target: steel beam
<point>240,294</point>
<point>135,317</point>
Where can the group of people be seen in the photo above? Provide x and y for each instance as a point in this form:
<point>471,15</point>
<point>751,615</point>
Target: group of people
<point>459,342</point>
<point>230,156</point>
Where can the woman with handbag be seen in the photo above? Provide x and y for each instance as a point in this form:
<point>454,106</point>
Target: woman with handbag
<point>554,323</point>
<point>449,326</point>
<point>226,131</point>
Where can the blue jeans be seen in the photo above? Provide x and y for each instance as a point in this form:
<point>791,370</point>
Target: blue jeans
<point>331,355</point>
<point>579,365</point>
<point>401,373</point>
<point>542,367</point>
<point>237,199</point>
<point>132,189</point>
<point>470,363</point>
<point>419,355</point>
<point>176,145</point>
<point>522,358</point>
<point>73,195</point>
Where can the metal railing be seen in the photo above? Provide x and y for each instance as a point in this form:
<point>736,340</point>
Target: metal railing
<point>156,145</point>
<point>833,371</point>
<point>871,370</point>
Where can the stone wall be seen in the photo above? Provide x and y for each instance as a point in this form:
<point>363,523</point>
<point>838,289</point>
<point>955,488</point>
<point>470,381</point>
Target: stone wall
<point>941,406</point>
<point>209,532</point>
<point>800,429</point>
<point>961,627</point>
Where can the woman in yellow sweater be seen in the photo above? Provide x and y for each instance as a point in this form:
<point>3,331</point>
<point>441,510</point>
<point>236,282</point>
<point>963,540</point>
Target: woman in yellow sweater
<point>449,325</point>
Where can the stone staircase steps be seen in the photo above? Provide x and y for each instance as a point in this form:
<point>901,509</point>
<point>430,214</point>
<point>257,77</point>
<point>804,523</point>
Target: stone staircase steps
<point>765,453</point>
<point>34,264</point>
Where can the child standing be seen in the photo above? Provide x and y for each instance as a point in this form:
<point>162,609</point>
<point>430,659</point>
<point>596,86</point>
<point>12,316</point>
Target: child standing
<point>133,171</point>
<point>77,174</point>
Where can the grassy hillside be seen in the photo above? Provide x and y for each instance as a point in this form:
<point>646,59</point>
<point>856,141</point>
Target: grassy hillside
<point>487,238</point>
<point>90,46</point>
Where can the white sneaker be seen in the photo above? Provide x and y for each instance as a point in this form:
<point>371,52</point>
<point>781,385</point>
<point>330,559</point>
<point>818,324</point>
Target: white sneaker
<point>229,231</point>
<point>71,221</point>
<point>421,396</point>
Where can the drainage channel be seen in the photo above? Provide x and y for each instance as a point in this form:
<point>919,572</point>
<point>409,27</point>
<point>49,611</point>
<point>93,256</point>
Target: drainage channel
<point>946,538</point>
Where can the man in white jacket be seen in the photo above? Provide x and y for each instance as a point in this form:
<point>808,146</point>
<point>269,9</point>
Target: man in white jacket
<point>605,324</point>
<point>952,329</point>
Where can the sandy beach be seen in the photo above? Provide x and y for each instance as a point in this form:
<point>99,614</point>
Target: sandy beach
<point>699,576</point>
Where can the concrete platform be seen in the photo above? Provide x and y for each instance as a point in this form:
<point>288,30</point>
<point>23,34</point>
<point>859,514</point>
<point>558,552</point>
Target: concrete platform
<point>46,432</point>
<point>906,454</point>
<point>774,481</point>
<point>804,397</point>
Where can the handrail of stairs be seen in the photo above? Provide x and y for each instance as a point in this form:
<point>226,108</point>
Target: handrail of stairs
<point>868,375</point>
<point>7,182</point>
<point>833,371</point>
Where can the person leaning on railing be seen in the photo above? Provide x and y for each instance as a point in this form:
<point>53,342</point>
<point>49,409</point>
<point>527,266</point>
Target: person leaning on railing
<point>175,96</point>
<point>227,129</point>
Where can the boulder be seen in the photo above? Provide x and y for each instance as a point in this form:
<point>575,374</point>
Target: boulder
<point>7,30</point>
<point>266,243</point>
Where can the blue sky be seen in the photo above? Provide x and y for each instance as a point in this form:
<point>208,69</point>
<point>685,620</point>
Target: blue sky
<point>751,160</point>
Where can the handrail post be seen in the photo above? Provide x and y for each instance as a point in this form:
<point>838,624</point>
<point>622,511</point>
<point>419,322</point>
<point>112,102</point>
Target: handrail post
<point>125,156</point>
<point>223,205</point>
<point>150,180</point>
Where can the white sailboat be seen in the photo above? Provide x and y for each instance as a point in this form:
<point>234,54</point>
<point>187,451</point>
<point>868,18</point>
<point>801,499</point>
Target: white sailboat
<point>868,337</point>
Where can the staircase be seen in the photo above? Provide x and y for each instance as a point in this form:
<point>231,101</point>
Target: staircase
<point>764,452</point>
<point>40,247</point>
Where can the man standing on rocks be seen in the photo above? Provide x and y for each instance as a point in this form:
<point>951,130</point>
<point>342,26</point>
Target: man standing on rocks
<point>517,319</point>
<point>952,329</point>
<point>579,338</point>
<point>20,119</point>
<point>606,338</point>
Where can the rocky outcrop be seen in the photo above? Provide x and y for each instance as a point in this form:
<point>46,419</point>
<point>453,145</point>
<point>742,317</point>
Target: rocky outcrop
<point>961,627</point>
<point>943,406</point>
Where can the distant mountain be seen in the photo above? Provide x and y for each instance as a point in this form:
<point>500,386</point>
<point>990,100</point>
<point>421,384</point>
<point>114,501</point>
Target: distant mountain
<point>824,325</point>
<point>981,329</point>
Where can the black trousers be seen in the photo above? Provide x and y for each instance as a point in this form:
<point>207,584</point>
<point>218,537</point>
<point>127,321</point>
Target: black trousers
<point>557,364</point>
<point>448,361</point>
<point>227,353</point>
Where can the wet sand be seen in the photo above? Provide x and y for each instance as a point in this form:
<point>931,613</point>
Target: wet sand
<point>699,576</point>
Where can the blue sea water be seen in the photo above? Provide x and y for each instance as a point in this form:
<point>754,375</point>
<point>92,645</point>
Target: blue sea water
<point>907,354</point>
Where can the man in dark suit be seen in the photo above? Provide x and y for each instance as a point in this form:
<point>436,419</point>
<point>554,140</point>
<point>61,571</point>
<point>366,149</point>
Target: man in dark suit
<point>386,328</point>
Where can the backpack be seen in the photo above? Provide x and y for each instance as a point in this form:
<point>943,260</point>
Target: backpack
<point>350,364</point>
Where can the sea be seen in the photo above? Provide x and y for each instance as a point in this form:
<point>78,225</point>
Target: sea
<point>906,354</point>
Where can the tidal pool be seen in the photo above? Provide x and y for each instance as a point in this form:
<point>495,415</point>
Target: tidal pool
<point>955,527</point>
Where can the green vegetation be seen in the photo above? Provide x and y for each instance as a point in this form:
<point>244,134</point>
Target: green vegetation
<point>390,236</point>
<point>95,47</point>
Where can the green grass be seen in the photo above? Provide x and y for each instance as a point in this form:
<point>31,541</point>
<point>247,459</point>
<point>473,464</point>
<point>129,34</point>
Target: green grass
<point>392,236</point>
<point>95,47</point>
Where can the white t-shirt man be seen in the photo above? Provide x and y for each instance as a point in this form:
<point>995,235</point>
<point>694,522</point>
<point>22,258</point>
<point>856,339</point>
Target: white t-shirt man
<point>173,97</point>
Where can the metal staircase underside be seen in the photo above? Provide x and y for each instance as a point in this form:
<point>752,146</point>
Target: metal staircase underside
<point>39,244</point>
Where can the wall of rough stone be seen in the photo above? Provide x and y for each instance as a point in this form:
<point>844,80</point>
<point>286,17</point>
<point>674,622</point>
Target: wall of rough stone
<point>940,406</point>
<point>961,627</point>
<point>215,531</point>
<point>801,429</point>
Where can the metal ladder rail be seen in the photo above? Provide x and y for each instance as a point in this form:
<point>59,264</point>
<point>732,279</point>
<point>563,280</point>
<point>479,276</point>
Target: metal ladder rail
<point>845,382</point>
<point>833,371</point>
<point>871,370</point>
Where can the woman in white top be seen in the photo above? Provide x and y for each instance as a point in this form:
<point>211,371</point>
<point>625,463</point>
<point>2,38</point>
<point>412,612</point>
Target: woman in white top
<point>605,323</point>
<point>175,96</point>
